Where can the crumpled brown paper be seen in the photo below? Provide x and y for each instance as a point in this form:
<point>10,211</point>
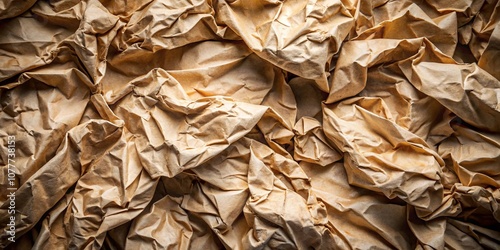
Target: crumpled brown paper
<point>345,124</point>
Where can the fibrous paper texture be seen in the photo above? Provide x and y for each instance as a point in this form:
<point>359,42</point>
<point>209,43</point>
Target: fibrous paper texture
<point>259,124</point>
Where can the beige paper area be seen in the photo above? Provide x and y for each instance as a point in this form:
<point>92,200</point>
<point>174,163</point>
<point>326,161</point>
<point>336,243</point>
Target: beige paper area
<point>230,124</point>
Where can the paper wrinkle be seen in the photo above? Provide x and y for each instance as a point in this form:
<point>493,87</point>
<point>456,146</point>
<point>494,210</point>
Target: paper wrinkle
<point>458,235</point>
<point>377,158</point>
<point>263,124</point>
<point>311,144</point>
<point>473,167</point>
<point>442,32</point>
<point>13,8</point>
<point>299,37</point>
<point>488,60</point>
<point>166,24</point>
<point>354,211</point>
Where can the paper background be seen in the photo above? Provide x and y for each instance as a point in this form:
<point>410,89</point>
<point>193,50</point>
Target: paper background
<point>260,124</point>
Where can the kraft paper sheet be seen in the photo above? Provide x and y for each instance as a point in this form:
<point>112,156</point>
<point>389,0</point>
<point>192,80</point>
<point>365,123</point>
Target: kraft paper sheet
<point>250,124</point>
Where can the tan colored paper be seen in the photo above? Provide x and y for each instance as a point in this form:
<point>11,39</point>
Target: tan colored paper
<point>230,124</point>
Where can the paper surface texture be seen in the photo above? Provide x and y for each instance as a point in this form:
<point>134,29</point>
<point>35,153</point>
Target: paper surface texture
<point>250,124</point>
